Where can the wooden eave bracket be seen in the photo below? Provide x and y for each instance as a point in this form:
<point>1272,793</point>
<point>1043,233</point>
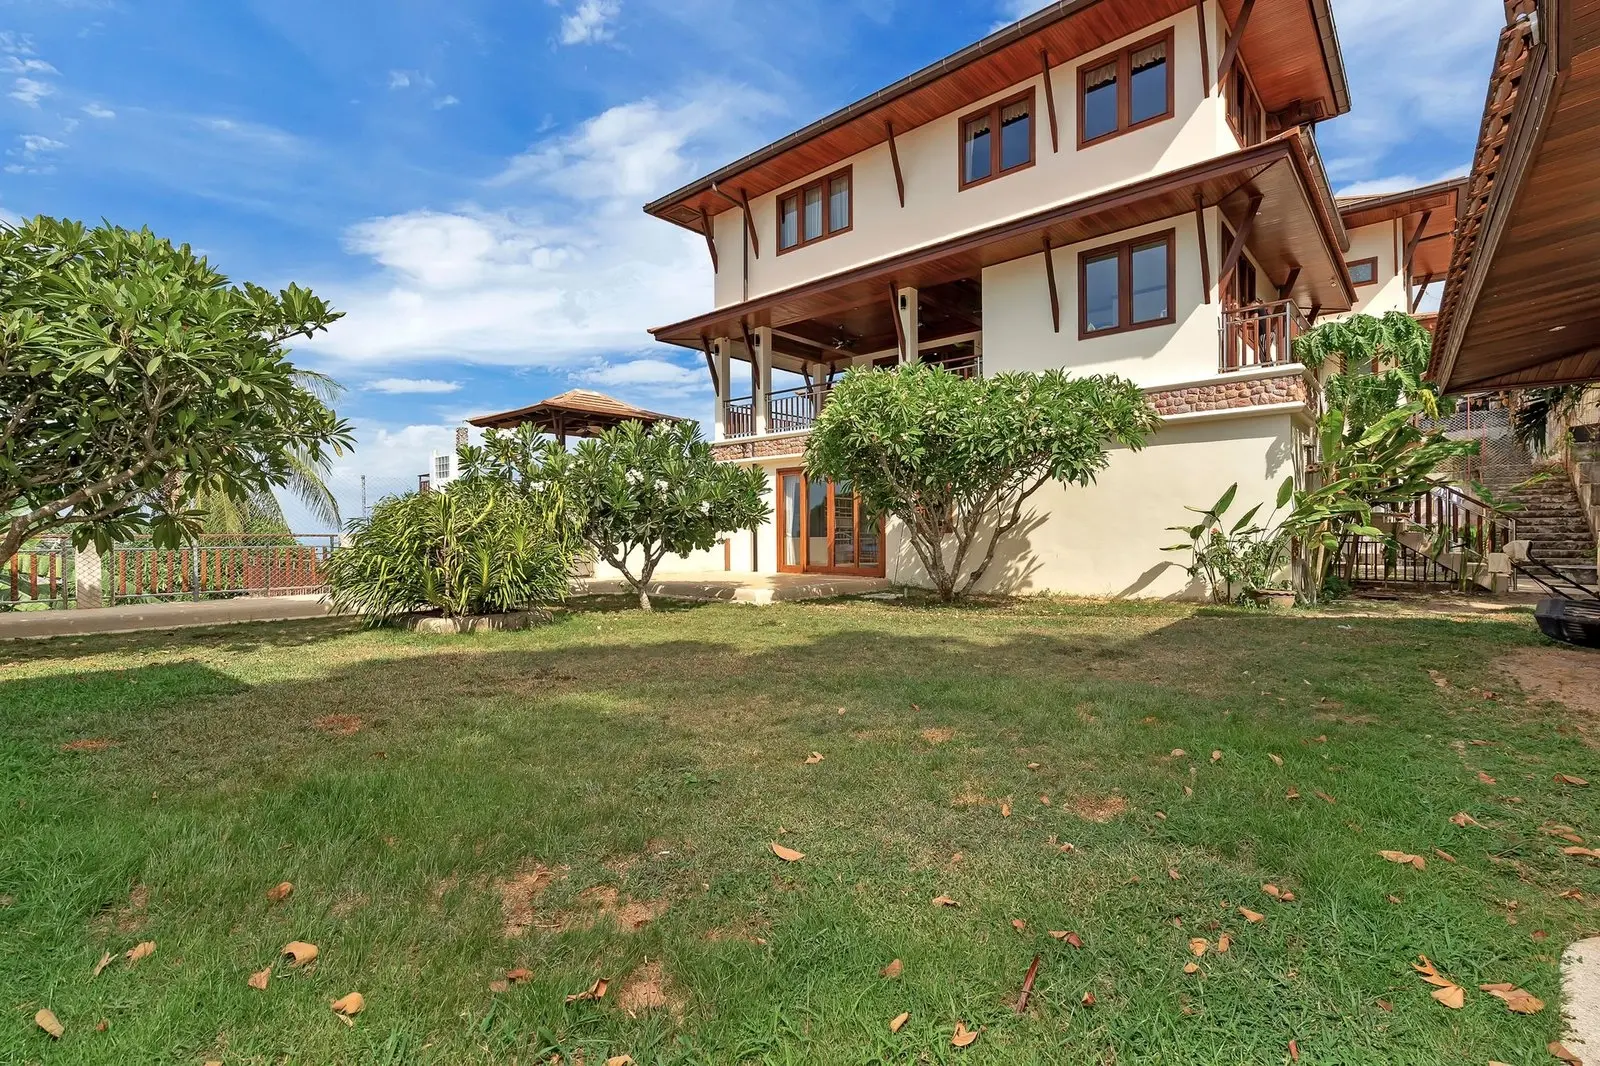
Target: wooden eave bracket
<point>1205,246</point>
<point>894,157</point>
<point>1050,279</point>
<point>1050,104</point>
<point>711,237</point>
<point>1230,262</point>
<point>1231,53</point>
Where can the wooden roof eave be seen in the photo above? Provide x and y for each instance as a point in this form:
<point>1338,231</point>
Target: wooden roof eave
<point>1279,168</point>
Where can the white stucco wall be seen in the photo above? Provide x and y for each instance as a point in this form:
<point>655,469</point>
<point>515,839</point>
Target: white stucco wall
<point>936,206</point>
<point>1379,242</point>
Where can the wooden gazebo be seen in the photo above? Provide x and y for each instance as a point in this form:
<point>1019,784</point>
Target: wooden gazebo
<point>579,413</point>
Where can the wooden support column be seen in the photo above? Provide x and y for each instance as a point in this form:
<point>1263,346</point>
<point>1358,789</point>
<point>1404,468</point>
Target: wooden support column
<point>1287,287</point>
<point>711,237</point>
<point>1205,247</point>
<point>908,312</point>
<point>1416,239</point>
<point>894,157</point>
<point>1232,51</point>
<point>1050,101</point>
<point>1050,279</point>
<point>1205,47</point>
<point>1230,262</point>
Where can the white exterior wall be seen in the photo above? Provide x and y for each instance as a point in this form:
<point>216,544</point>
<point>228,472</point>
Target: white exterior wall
<point>937,208</point>
<point>1380,241</point>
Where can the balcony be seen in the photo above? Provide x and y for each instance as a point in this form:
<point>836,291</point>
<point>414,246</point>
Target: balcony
<point>1261,335</point>
<point>796,410</point>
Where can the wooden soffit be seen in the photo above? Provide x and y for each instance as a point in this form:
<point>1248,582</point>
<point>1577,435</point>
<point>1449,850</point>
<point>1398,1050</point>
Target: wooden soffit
<point>1431,207</point>
<point>1289,46</point>
<point>1522,303</point>
<point>1292,230</point>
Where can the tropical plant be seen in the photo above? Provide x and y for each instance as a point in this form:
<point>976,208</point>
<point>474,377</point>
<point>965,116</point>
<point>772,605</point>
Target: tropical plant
<point>639,494</point>
<point>129,367</point>
<point>476,547</point>
<point>956,459</point>
<point>1249,556</point>
<point>1379,364</point>
<point>1535,410</point>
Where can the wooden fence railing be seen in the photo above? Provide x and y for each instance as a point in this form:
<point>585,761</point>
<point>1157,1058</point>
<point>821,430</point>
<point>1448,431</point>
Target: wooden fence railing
<point>219,566</point>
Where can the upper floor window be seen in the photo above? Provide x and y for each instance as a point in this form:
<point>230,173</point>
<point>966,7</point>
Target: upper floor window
<point>1364,272</point>
<point>1245,114</point>
<point>815,211</point>
<point>997,140</point>
<point>1125,91</point>
<point>1128,285</point>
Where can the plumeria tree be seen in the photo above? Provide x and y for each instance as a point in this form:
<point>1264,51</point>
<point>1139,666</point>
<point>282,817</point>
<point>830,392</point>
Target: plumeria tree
<point>956,459</point>
<point>635,494</point>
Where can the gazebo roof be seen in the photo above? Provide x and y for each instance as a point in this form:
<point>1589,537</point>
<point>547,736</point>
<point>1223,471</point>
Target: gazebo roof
<point>578,413</point>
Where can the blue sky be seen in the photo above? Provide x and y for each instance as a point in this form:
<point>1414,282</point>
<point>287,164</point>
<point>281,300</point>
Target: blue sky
<point>465,178</point>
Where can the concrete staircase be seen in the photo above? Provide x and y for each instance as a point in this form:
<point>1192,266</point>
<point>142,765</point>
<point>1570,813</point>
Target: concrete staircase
<point>1556,519</point>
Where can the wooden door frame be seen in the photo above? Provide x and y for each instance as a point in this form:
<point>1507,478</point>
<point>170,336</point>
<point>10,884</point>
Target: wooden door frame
<point>805,567</point>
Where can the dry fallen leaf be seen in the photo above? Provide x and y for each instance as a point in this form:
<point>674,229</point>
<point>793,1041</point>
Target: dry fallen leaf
<point>140,951</point>
<point>1445,855</point>
<point>1088,999</point>
<point>1454,997</point>
<point>1324,797</point>
<point>1216,756</point>
<point>620,1060</point>
<point>1294,1051</point>
<point>350,1005</point>
<point>787,854</point>
<point>1277,760</point>
<point>1068,937</point>
<point>1198,946</point>
<point>280,892</point>
<point>1033,766</point>
<point>259,979</point>
<point>1405,858</point>
<point>1568,779</point>
<point>1191,967</point>
<point>1251,916</point>
<point>299,952</point>
<point>499,986</point>
<point>1292,794</point>
<point>1588,853</point>
<point>596,991</point>
<point>1394,899</point>
<point>1174,875</point>
<point>48,1022</point>
<point>1005,808</point>
<point>1560,1051</point>
<point>1463,819</point>
<point>1178,753</point>
<point>814,758</point>
<point>519,975</point>
<point>1486,779</point>
<point>1273,890</point>
<point>1045,800</point>
<point>898,1022</point>
<point>1572,894</point>
<point>1224,942</point>
<point>1018,924</point>
<point>963,1037</point>
<point>99,967</point>
<point>1517,1000</point>
<point>944,901</point>
<point>893,970</point>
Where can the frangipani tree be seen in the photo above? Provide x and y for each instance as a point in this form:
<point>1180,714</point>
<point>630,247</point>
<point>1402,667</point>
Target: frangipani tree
<point>956,459</point>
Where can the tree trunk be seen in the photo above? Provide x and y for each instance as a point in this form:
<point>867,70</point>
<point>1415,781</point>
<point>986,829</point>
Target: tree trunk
<point>11,543</point>
<point>643,584</point>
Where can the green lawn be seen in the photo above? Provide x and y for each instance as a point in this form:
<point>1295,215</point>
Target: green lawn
<point>608,788</point>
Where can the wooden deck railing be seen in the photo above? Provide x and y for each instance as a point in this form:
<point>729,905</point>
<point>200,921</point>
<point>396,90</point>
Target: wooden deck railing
<point>796,410</point>
<point>1261,335</point>
<point>218,566</point>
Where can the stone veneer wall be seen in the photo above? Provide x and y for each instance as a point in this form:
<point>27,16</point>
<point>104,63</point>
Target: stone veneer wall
<point>1216,396</point>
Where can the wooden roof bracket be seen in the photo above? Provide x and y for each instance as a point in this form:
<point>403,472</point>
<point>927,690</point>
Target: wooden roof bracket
<point>1230,262</point>
<point>1205,48</point>
<point>1231,53</point>
<point>1287,288</point>
<point>711,238</point>
<point>711,363</point>
<point>1416,239</point>
<point>1050,278</point>
<point>1205,247</point>
<point>743,203</point>
<point>1050,103</point>
<point>894,157</point>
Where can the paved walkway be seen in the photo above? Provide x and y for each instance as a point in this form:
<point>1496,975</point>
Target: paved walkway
<point>134,618</point>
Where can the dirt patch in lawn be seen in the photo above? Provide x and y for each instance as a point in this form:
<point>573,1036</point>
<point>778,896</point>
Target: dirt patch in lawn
<point>1567,677</point>
<point>520,893</point>
<point>938,734</point>
<point>601,902</point>
<point>1096,808</point>
<point>338,725</point>
<point>128,918</point>
<point>646,989</point>
<point>91,744</point>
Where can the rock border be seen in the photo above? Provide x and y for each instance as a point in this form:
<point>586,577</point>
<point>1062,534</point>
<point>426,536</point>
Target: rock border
<point>437,625</point>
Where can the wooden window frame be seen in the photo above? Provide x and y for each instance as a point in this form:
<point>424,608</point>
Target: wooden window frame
<point>1350,268</point>
<point>1124,251</point>
<point>1241,135</point>
<point>992,112</point>
<point>799,193</point>
<point>1123,57</point>
<point>804,566</point>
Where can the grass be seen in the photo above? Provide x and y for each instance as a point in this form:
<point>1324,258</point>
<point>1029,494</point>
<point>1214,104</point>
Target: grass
<point>617,758</point>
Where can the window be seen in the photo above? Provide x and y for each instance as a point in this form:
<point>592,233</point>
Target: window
<point>1126,91</point>
<point>441,468</point>
<point>1245,114</point>
<point>1127,285</point>
<point>1364,272</point>
<point>997,140</point>
<point>816,211</point>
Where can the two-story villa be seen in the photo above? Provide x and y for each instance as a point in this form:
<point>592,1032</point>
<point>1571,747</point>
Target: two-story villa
<point>1107,186</point>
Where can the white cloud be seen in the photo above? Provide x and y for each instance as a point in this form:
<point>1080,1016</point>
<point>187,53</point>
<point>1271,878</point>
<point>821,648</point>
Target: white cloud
<point>17,65</point>
<point>1399,182</point>
<point>444,102</point>
<point>1014,10</point>
<point>590,22</point>
<point>410,386</point>
<point>399,79</point>
<point>16,44</point>
<point>253,135</point>
<point>574,274</point>
<point>30,91</point>
<point>33,144</point>
<point>654,375</point>
<point>94,110</point>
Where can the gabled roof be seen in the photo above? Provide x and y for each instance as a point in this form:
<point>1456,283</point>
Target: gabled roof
<point>579,413</point>
<point>1290,47</point>
<point>1434,209</point>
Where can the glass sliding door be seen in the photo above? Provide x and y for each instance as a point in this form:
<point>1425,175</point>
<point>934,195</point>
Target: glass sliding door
<point>822,529</point>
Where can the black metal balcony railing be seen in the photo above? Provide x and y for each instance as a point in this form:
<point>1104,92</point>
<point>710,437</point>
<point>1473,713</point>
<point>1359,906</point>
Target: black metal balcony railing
<point>1261,335</point>
<point>796,410</point>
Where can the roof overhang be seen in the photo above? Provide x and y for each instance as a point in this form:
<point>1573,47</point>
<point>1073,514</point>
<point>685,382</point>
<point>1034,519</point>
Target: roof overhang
<point>1429,214</point>
<point>579,413</point>
<point>1522,304</point>
<point>1294,225</point>
<point>1288,47</point>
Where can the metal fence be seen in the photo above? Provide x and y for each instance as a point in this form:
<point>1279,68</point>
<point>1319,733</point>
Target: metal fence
<point>39,577</point>
<point>219,566</point>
